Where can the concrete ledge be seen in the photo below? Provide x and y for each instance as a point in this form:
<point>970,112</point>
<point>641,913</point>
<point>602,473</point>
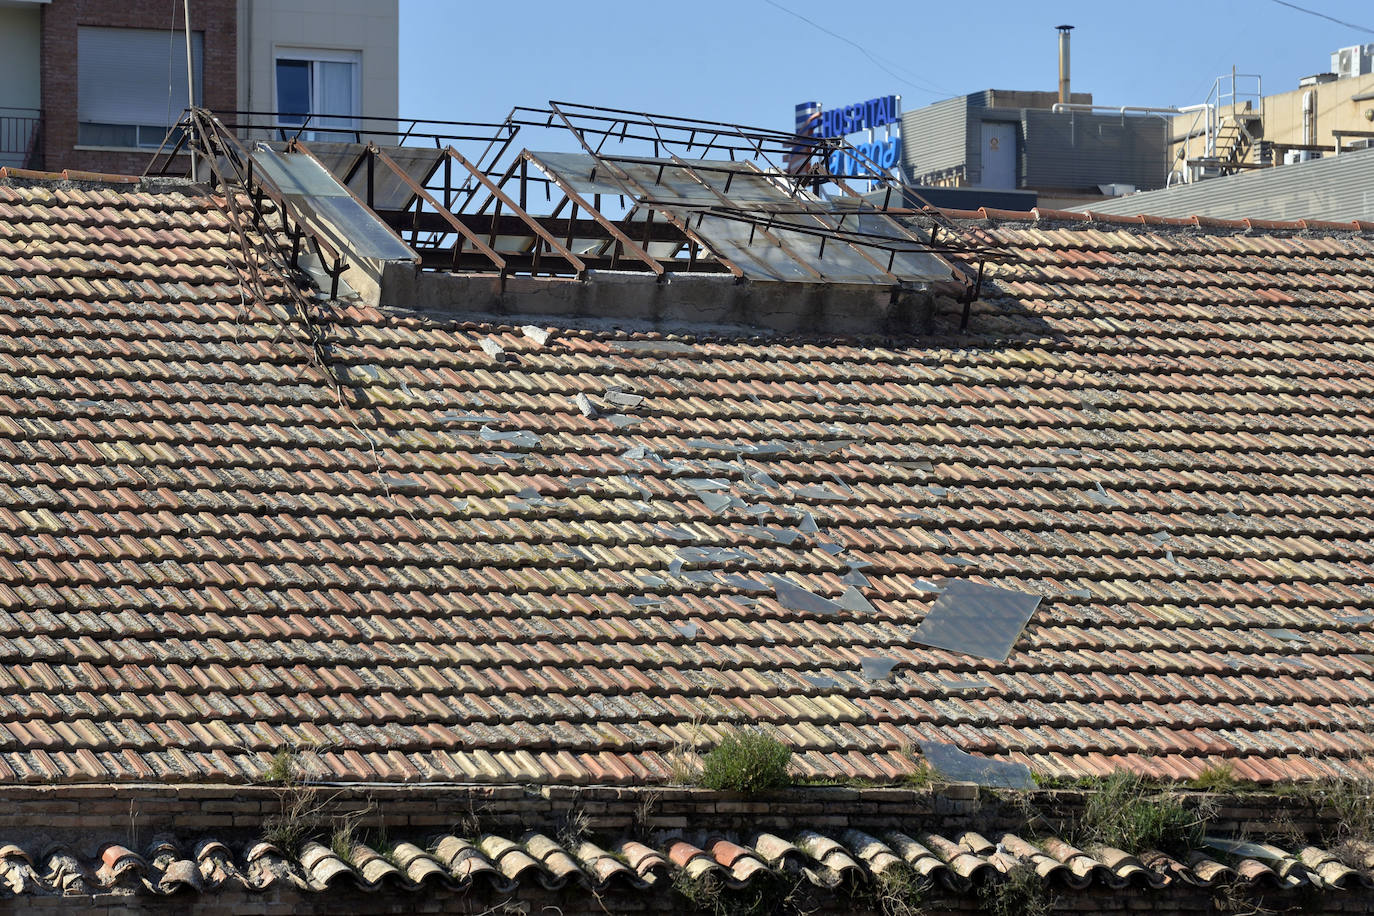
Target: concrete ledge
<point>675,299</point>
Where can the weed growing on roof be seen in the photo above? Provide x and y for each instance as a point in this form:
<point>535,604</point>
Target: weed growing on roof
<point>747,761</point>
<point>898,891</point>
<point>767,894</point>
<point>1352,803</point>
<point>1020,892</point>
<point>573,825</point>
<point>1219,777</point>
<point>1124,812</point>
<point>282,768</point>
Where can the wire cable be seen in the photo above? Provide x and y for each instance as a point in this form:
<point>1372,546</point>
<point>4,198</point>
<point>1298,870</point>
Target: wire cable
<point>877,62</point>
<point>1303,9</point>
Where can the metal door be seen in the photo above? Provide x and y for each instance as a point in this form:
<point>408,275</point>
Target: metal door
<point>999,154</point>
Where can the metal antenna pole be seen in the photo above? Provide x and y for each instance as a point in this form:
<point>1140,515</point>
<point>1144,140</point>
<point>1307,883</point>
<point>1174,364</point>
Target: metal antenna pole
<point>190,86</point>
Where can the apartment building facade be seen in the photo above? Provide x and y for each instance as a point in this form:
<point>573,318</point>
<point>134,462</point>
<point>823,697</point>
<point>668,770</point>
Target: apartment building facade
<point>96,86</point>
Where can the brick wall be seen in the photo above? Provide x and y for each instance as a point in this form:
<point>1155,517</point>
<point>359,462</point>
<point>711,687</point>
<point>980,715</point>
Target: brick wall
<point>83,818</point>
<point>61,19</point>
<point>74,813</point>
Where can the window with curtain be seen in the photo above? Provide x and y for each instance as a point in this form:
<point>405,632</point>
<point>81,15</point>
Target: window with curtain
<point>131,84</point>
<point>319,89</point>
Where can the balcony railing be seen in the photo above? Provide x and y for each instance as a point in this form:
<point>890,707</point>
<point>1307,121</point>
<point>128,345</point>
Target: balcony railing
<point>19,130</point>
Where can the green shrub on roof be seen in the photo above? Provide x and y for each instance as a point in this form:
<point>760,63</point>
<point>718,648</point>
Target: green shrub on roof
<point>747,761</point>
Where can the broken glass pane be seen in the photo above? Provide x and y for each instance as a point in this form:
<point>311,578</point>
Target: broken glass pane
<point>830,548</point>
<point>976,619</point>
<point>468,418</point>
<point>706,483</point>
<point>808,524</point>
<point>784,536</point>
<point>641,347</point>
<point>959,766</point>
<point>689,630</point>
<point>820,492</point>
<point>719,502</point>
<point>853,600</point>
<point>821,680</point>
<point>703,576</point>
<point>620,421</point>
<point>856,579</point>
<point>877,667</point>
<point>795,598</point>
<point>517,437</point>
<point>744,583</point>
<point>711,555</point>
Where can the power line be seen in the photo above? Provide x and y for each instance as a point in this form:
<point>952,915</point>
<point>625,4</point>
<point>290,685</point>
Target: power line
<point>1303,9</point>
<point>933,90</point>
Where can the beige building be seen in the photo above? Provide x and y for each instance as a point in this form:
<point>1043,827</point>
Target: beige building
<point>1242,129</point>
<point>320,64</point>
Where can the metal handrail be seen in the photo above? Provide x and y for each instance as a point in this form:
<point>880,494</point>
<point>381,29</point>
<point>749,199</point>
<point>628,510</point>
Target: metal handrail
<point>1207,122</point>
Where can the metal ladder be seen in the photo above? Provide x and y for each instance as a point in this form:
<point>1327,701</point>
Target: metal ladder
<point>1224,122</point>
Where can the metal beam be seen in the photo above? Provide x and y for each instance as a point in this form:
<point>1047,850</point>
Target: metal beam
<point>627,243</point>
<point>515,208</point>
<point>452,220</point>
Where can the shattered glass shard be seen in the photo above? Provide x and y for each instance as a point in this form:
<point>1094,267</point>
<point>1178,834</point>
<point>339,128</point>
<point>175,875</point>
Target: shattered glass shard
<point>688,630</point>
<point>976,619</point>
<point>854,600</point>
<point>719,502</point>
<point>519,438</point>
<point>877,667</point>
<point>784,536</point>
<point>820,680</point>
<point>856,579</point>
<point>468,418</point>
<point>795,598</point>
<point>705,483</point>
<point>821,493</point>
<point>960,766</point>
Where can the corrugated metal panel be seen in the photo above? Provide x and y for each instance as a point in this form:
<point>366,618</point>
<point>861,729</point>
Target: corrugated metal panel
<point>1078,149</point>
<point>1337,188</point>
<point>933,138</point>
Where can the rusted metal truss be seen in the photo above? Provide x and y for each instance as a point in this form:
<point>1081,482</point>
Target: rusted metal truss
<point>649,193</point>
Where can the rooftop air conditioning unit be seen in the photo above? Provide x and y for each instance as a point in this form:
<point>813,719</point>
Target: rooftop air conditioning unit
<point>1355,60</point>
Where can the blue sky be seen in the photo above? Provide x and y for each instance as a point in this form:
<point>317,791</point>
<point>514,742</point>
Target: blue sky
<point>750,61</point>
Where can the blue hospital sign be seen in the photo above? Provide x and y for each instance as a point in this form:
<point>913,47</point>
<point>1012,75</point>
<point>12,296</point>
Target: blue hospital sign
<point>813,121</point>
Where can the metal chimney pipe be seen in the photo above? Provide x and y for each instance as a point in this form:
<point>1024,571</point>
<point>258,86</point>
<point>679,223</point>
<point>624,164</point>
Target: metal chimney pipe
<point>1064,31</point>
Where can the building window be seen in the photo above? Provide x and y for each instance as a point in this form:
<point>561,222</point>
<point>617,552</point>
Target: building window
<point>318,89</point>
<point>131,84</point>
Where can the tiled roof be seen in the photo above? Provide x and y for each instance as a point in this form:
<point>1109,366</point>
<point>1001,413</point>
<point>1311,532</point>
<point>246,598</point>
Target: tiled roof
<point>1163,432</point>
<point>953,865</point>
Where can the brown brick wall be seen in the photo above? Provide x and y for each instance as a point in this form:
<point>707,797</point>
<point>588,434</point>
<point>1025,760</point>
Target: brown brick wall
<point>61,18</point>
<point>85,817</point>
<point>78,813</point>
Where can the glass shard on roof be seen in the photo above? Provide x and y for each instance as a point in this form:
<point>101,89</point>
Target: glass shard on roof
<point>960,766</point>
<point>976,619</point>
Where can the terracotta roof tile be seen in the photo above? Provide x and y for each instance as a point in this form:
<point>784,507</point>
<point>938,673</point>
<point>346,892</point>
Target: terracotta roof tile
<point>1163,435</point>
